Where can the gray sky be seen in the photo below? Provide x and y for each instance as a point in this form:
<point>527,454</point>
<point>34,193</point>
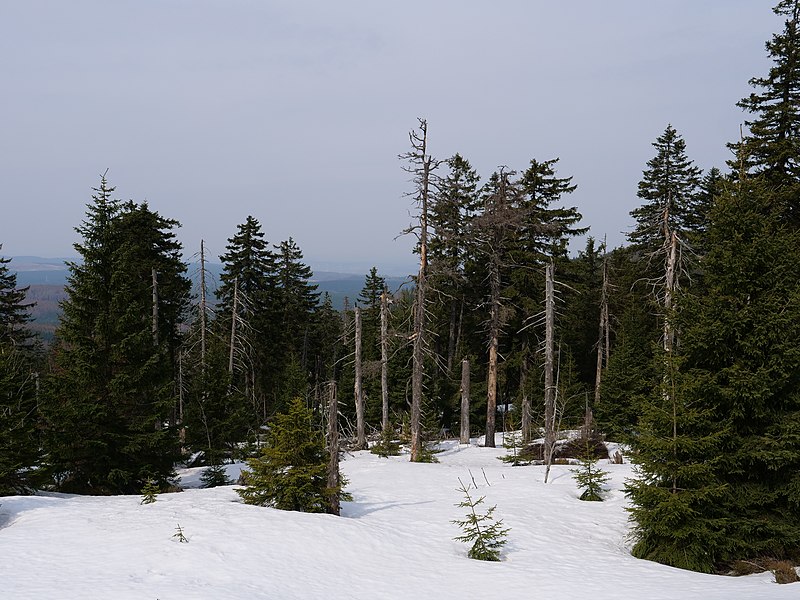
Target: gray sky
<point>295,112</point>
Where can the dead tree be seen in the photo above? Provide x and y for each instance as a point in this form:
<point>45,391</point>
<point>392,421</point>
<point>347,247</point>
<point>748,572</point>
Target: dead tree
<point>234,314</point>
<point>385,360</point>
<point>421,165</point>
<point>358,392</point>
<point>527,416</point>
<point>334,479</point>
<point>603,336</point>
<point>464,438</point>
<point>549,366</point>
<point>502,214</point>
<point>155,306</point>
<point>203,308</point>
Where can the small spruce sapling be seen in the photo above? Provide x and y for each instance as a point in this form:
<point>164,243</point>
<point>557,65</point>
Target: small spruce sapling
<point>178,535</point>
<point>214,476</point>
<point>149,492</point>
<point>513,443</point>
<point>486,535</point>
<point>387,446</point>
<point>588,476</point>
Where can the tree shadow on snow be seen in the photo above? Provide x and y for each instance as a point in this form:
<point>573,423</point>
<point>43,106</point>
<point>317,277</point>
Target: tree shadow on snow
<point>356,510</point>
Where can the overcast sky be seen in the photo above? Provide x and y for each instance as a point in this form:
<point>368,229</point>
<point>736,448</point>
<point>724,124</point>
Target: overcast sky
<point>295,112</point>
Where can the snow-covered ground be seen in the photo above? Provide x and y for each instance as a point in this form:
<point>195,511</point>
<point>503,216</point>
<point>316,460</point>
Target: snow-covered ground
<point>393,541</point>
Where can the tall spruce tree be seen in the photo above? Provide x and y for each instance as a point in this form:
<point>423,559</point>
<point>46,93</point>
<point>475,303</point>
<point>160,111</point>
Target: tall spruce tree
<point>19,439</point>
<point>772,146</point>
<point>111,394</point>
<point>298,298</point>
<point>668,189</point>
<point>249,313</point>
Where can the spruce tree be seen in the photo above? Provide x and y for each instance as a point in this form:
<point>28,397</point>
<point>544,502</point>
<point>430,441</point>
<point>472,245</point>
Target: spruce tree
<point>112,393</point>
<point>668,190</point>
<point>291,473</point>
<point>250,274</point>
<point>772,146</point>
<point>486,535</point>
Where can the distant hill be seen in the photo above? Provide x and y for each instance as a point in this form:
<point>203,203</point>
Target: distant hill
<point>46,278</point>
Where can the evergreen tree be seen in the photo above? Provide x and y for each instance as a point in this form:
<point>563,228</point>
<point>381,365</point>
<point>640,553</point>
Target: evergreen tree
<point>19,439</point>
<point>14,311</point>
<point>486,535</point>
<point>668,189</point>
<point>250,274</point>
<point>291,473</point>
<point>772,147</point>
<point>589,477</point>
<point>112,392</point>
<point>298,299</point>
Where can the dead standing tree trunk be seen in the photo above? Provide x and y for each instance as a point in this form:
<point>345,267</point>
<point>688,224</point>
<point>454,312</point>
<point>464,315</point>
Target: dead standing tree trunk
<point>494,342</point>
<point>421,166</point>
<point>464,438</point>
<point>358,392</point>
<point>334,479</point>
<point>549,367</point>
<point>385,360</point>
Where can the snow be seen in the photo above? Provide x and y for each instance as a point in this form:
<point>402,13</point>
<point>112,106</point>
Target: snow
<point>395,540</point>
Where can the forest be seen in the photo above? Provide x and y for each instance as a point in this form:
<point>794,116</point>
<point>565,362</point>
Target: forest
<point>683,344</point>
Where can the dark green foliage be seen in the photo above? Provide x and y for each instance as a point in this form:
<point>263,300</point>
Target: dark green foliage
<point>720,482</point>
<point>19,415</point>
<point>668,188</point>
<point>14,311</point>
<point>250,274</point>
<point>179,535</point>
<point>387,445</point>
<point>589,477</point>
<point>291,473</point>
<point>772,147</point>
<point>486,535</point>
<point>111,396</point>
<point>215,476</point>
<point>150,492</point>
<point>19,438</point>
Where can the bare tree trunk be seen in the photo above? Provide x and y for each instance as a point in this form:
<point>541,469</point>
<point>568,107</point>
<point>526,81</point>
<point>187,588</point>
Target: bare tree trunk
<point>345,321</point>
<point>526,399</point>
<point>418,353</point>
<point>549,387</point>
<point>202,307</point>
<point>361,438</point>
<point>234,312</point>
<point>603,334</point>
<point>669,292</point>
<point>384,360</point>
<point>155,306</point>
<point>451,336</point>
<point>334,480</point>
<point>464,438</point>
<point>494,340</point>
<point>669,336</point>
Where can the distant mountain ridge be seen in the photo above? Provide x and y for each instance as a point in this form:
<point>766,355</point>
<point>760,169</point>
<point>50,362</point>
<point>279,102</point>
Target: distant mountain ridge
<point>46,278</point>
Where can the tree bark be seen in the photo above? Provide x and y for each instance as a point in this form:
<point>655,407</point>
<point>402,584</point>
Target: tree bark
<point>361,438</point>
<point>334,480</point>
<point>526,400</point>
<point>418,352</point>
<point>494,340</point>
<point>234,312</point>
<point>464,438</point>
<point>603,334</point>
<point>384,360</point>
<point>549,387</point>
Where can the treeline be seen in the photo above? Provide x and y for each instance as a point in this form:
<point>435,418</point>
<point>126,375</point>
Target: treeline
<point>685,343</point>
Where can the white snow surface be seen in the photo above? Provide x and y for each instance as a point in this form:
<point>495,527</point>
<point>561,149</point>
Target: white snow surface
<point>394,540</point>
